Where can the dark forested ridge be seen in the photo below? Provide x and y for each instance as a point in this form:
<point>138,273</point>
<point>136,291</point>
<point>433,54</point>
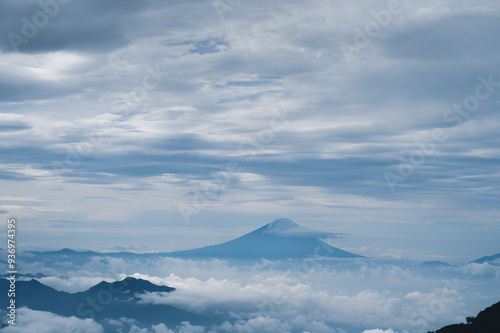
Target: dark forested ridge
<point>106,300</point>
<point>487,321</point>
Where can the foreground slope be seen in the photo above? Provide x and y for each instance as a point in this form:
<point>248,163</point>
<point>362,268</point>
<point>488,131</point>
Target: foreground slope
<point>487,321</point>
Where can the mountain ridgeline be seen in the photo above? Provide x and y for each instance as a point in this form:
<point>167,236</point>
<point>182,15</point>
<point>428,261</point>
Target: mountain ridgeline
<point>104,301</point>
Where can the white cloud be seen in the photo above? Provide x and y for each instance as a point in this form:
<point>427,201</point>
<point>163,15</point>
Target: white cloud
<point>30,321</point>
<point>484,268</point>
<point>161,328</point>
<point>258,324</point>
<point>136,329</point>
<point>186,327</point>
<point>72,284</point>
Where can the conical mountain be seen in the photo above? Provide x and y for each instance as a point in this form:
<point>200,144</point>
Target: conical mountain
<point>280,239</point>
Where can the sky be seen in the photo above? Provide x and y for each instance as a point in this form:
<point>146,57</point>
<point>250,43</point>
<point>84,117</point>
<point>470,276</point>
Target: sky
<point>168,125</point>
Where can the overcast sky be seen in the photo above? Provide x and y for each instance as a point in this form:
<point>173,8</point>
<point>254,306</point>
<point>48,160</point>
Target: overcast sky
<point>173,124</point>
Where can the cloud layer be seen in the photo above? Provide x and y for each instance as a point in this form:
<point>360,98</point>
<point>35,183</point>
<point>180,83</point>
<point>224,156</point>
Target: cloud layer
<point>29,321</point>
<point>325,297</point>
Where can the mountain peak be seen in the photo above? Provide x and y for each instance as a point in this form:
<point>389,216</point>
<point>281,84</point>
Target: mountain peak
<point>131,285</point>
<point>280,239</point>
<point>284,227</point>
<point>279,226</point>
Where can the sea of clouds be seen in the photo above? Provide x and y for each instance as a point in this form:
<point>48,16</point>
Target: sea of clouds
<point>366,295</point>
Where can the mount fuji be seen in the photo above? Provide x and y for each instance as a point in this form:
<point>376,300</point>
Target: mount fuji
<point>280,239</point>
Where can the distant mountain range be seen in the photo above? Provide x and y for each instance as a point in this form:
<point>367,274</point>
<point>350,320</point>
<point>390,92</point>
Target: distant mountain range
<point>487,321</point>
<point>280,239</point>
<point>434,263</point>
<point>488,259</point>
<point>104,301</point>
<point>493,260</point>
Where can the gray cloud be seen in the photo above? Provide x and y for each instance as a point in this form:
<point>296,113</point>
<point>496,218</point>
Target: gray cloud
<point>218,85</point>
